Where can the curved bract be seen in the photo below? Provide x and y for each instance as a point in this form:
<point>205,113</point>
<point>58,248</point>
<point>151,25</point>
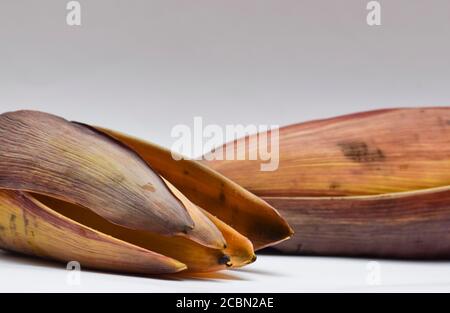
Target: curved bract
<point>373,152</point>
<point>70,192</point>
<point>29,226</point>
<point>373,183</point>
<point>46,154</point>
<point>410,224</point>
<point>240,209</point>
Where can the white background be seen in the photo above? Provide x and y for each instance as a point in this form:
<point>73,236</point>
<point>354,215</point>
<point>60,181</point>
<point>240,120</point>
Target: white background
<point>144,66</point>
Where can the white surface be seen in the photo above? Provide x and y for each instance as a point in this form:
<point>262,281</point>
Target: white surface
<point>269,274</point>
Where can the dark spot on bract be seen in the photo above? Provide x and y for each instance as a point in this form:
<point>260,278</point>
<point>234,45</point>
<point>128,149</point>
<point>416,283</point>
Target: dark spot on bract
<point>187,229</point>
<point>225,260</point>
<point>359,151</point>
<point>148,187</point>
<point>2,230</point>
<point>334,185</point>
<point>222,196</point>
<point>12,223</point>
<point>380,154</point>
<point>25,223</point>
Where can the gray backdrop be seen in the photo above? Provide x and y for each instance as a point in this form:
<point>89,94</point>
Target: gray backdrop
<point>144,66</point>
